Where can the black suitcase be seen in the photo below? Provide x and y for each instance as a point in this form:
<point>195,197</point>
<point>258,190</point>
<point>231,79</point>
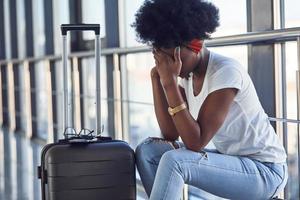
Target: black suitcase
<point>86,166</point>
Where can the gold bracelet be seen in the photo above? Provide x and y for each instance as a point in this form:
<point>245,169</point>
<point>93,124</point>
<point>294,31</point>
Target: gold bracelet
<point>173,111</point>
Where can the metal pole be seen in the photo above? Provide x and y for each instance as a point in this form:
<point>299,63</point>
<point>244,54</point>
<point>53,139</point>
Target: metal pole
<point>118,97</point>
<point>284,108</point>
<point>298,105</point>
<point>11,97</point>
<point>65,90</point>
<point>76,94</point>
<point>98,85</point>
<point>1,105</point>
<point>281,13</point>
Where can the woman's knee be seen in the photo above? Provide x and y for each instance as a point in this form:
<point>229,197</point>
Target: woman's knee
<point>177,159</point>
<point>152,147</point>
<point>170,159</point>
<point>144,147</point>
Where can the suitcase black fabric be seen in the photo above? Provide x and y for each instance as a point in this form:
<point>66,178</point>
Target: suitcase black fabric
<point>87,167</point>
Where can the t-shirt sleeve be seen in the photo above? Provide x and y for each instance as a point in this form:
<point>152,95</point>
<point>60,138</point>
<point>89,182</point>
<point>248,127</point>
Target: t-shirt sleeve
<point>226,77</point>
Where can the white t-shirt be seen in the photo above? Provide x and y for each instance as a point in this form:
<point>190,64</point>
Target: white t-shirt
<point>246,130</point>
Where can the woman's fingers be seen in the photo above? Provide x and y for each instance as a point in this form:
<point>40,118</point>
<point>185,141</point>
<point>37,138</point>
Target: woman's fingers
<point>177,54</point>
<point>161,57</point>
<point>156,58</point>
<point>160,53</point>
<point>154,52</point>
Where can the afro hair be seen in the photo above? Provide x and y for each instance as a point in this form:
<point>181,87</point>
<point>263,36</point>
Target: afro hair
<point>170,23</point>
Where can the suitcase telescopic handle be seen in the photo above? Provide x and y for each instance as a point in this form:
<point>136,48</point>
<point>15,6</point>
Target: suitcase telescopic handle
<point>80,27</point>
<point>68,104</point>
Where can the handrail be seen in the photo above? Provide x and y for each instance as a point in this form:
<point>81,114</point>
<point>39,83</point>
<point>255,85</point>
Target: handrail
<point>274,36</point>
<point>275,119</point>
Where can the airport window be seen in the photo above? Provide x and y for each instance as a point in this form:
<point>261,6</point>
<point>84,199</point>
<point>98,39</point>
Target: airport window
<point>291,104</point>
<point>240,53</point>
<point>7,29</point>
<point>38,27</point>
<point>41,117</point>
<point>230,24</point>
<point>93,12</point>
<point>142,120</point>
<point>61,16</point>
<point>129,10</point>
<point>21,29</point>
<point>291,13</point>
<point>88,94</point>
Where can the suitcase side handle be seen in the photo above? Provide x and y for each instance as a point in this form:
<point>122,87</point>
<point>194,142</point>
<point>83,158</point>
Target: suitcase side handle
<point>80,27</point>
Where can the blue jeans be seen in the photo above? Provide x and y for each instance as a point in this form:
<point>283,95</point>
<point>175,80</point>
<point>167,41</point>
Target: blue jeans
<point>165,167</point>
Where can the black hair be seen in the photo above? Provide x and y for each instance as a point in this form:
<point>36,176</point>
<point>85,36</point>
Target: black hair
<point>170,23</point>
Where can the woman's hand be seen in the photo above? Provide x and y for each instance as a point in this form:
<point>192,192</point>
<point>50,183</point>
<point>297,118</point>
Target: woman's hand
<point>168,68</point>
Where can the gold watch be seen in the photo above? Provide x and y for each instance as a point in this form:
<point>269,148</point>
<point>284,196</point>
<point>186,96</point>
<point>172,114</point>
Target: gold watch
<point>173,111</point>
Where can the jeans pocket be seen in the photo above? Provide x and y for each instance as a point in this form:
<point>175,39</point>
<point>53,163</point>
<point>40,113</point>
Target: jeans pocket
<point>281,186</point>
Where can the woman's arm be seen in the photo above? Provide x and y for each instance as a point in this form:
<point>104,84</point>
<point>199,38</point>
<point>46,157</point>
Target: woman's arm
<point>165,121</point>
<point>197,133</point>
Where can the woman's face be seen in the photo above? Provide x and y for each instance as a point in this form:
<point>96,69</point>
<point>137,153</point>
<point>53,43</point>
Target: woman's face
<point>189,59</point>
